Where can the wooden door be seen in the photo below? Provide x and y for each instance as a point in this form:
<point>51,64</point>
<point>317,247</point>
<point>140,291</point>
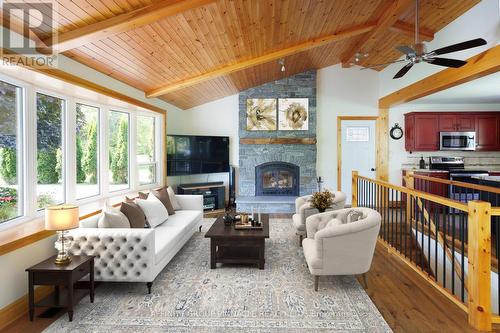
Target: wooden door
<point>487,132</point>
<point>426,132</point>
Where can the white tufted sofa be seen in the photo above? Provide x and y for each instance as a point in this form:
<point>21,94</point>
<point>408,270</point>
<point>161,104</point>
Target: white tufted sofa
<point>137,255</point>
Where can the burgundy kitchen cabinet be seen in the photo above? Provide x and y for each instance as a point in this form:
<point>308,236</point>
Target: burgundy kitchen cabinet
<point>422,132</point>
<point>487,132</point>
<point>456,123</point>
<point>422,129</point>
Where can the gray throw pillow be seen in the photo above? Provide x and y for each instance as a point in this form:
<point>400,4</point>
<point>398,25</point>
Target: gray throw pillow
<point>354,215</point>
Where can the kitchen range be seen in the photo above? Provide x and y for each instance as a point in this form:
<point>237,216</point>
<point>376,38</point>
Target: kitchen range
<point>457,172</point>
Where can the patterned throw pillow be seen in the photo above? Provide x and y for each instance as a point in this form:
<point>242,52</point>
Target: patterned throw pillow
<point>354,215</point>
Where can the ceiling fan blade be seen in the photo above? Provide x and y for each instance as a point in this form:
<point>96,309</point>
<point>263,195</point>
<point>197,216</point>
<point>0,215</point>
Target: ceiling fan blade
<point>446,62</point>
<point>403,71</point>
<point>460,46</point>
<point>406,49</point>
<point>383,64</point>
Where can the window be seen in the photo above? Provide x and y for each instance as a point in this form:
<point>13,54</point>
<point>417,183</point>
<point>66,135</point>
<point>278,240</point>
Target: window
<point>50,161</point>
<point>10,145</point>
<point>118,151</point>
<point>146,153</point>
<point>87,151</point>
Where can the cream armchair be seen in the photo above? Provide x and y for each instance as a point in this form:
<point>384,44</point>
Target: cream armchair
<point>336,246</point>
<point>303,210</point>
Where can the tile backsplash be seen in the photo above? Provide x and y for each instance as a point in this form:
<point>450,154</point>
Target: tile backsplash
<point>489,161</point>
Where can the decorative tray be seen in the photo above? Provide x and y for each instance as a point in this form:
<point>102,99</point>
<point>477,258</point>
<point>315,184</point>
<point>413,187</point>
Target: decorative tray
<point>246,226</point>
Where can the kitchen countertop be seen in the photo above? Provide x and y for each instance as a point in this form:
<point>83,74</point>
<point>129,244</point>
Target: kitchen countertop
<point>427,170</point>
<point>488,178</point>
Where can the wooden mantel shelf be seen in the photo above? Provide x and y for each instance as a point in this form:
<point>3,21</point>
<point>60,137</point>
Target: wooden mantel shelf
<point>278,141</point>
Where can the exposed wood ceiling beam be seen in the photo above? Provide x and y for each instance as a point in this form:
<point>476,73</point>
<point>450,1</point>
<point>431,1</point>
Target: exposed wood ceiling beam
<point>409,30</point>
<point>480,65</point>
<point>387,20</point>
<point>312,43</point>
<point>121,23</point>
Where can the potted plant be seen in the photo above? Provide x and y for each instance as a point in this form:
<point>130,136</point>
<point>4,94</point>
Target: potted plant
<point>322,200</point>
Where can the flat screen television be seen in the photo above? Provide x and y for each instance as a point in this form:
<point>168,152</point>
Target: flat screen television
<point>191,154</point>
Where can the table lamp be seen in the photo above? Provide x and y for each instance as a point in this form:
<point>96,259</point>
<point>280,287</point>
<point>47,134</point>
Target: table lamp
<point>61,218</point>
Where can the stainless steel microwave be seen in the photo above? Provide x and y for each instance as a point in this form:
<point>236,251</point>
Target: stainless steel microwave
<point>457,140</point>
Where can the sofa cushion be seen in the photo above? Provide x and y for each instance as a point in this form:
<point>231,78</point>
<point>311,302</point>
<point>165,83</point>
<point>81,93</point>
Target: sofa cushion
<point>154,210</point>
<point>168,234</point>
<point>162,195</point>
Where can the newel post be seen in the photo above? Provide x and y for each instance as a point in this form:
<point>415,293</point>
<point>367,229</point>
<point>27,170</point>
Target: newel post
<point>479,274</point>
<point>354,189</point>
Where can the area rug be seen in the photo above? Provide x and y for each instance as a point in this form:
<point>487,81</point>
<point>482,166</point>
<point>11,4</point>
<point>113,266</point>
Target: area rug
<point>188,296</point>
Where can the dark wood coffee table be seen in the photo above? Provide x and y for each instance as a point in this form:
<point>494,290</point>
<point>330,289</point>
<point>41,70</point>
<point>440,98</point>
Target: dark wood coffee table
<point>231,246</point>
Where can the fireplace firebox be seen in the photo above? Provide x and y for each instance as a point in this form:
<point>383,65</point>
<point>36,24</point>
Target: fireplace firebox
<point>277,178</point>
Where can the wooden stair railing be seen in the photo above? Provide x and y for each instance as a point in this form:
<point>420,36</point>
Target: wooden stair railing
<point>475,223</point>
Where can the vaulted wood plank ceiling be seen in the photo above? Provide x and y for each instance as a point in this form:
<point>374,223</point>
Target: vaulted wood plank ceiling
<point>203,36</point>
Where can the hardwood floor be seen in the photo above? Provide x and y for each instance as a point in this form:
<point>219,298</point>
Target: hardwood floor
<point>405,300</point>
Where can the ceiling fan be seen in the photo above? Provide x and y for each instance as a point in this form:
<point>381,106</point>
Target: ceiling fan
<point>417,53</point>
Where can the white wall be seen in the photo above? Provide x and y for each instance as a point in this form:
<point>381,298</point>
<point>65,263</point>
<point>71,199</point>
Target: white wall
<point>218,118</point>
<point>481,21</point>
<point>341,92</point>
<point>12,265</point>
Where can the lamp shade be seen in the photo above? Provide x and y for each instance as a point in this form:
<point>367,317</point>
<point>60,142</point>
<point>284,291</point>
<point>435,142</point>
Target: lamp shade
<point>62,217</point>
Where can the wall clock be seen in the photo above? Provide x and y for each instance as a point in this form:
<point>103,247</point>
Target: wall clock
<point>396,132</point>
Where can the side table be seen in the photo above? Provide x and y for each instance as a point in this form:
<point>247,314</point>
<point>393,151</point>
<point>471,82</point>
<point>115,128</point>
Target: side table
<point>48,273</point>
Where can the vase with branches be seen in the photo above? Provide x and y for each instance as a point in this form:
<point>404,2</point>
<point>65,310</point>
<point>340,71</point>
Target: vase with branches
<point>322,200</point>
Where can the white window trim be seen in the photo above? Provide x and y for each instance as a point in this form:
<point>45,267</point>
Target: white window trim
<point>27,144</point>
<point>157,154</point>
<point>100,147</point>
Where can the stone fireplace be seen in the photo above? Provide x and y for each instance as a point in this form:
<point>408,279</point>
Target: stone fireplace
<point>276,166</point>
<point>277,178</point>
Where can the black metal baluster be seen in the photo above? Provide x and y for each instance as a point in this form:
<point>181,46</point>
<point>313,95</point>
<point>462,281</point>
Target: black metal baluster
<point>422,222</point>
<point>436,222</point>
<point>445,227</point>
<point>391,210</point>
<point>462,227</point>
<point>410,200</point>
<point>400,222</point>
<point>405,222</point>
<point>453,254</point>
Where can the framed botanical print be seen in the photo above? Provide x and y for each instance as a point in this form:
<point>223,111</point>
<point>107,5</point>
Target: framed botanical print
<point>261,114</point>
<point>293,114</point>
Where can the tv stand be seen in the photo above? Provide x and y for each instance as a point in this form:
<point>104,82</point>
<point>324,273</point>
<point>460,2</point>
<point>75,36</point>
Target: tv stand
<point>214,194</point>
